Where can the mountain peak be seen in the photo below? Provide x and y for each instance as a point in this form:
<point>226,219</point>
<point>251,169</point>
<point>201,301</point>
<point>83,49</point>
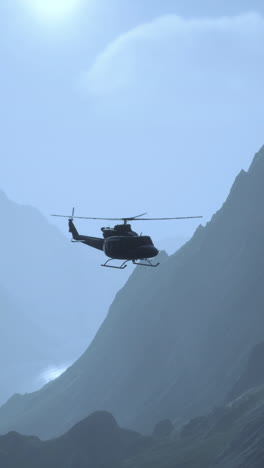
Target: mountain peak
<point>97,421</point>
<point>258,161</point>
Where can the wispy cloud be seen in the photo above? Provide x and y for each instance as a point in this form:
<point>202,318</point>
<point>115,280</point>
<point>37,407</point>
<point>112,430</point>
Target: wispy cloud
<point>176,66</point>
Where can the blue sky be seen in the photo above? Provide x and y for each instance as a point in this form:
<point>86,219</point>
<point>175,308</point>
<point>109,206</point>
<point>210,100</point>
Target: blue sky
<point>130,106</point>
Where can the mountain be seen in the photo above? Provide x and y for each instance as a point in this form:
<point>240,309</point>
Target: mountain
<point>176,338</point>
<point>230,436</point>
<point>54,295</point>
<point>96,442</point>
<point>246,430</point>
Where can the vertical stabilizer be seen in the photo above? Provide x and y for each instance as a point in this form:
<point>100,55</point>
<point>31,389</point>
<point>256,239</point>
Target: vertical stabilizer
<point>73,230</point>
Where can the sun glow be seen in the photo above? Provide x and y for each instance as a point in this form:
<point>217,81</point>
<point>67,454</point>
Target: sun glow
<point>51,373</point>
<point>51,10</point>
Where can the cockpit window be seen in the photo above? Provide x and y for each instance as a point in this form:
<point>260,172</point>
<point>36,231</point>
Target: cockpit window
<point>146,240</point>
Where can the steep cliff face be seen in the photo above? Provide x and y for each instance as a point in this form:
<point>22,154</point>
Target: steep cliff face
<point>176,338</point>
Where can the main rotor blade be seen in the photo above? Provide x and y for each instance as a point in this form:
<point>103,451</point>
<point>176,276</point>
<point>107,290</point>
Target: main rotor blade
<point>134,217</point>
<point>167,219</point>
<point>85,217</point>
<point>100,219</point>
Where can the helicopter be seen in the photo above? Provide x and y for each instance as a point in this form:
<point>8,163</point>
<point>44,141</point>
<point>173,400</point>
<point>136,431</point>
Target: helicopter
<point>120,242</point>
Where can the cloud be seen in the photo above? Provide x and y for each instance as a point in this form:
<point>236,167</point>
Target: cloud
<point>179,107</point>
<point>180,68</point>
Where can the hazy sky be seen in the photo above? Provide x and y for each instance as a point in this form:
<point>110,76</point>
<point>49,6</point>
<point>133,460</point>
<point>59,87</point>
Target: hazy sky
<point>126,106</point>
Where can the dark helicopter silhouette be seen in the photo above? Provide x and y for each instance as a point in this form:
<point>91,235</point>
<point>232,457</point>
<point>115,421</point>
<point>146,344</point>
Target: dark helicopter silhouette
<point>120,242</point>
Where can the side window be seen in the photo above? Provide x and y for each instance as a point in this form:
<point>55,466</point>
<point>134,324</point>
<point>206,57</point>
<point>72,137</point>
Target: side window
<point>144,240</point>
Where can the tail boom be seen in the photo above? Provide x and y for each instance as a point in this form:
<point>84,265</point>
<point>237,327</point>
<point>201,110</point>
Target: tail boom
<point>95,242</point>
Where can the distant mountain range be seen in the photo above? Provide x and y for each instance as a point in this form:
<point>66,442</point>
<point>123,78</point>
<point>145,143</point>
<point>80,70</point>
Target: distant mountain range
<point>50,297</point>
<point>176,338</point>
<point>23,352</point>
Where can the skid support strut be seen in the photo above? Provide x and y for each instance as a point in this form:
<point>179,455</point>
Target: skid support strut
<point>121,267</point>
<point>148,264</point>
<point>124,264</point>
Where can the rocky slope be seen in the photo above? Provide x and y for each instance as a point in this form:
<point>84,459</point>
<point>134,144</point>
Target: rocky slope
<point>176,338</point>
<point>231,436</point>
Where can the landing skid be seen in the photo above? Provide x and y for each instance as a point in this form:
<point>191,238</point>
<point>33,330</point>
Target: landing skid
<point>121,267</point>
<point>148,264</point>
<point>124,264</point>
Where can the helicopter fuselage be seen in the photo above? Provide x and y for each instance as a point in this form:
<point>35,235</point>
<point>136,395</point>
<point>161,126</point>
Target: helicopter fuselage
<point>120,243</point>
<point>129,247</point>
